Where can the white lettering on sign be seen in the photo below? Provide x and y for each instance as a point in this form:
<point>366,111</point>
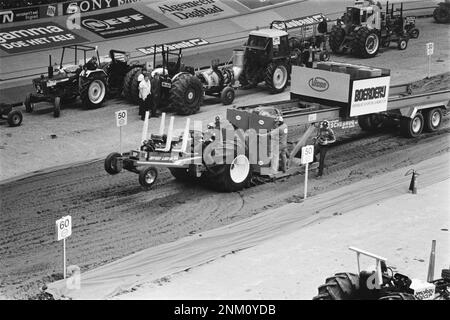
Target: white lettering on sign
<point>186,12</point>
<point>7,16</point>
<point>307,154</point>
<point>63,228</point>
<point>369,96</point>
<point>301,22</point>
<point>185,44</point>
<point>121,118</point>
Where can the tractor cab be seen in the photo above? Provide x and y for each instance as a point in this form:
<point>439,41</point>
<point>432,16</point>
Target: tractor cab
<point>270,42</point>
<point>363,16</point>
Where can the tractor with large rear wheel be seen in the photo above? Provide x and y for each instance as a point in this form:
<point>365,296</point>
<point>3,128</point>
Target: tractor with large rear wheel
<point>442,13</point>
<point>364,29</point>
<point>64,83</point>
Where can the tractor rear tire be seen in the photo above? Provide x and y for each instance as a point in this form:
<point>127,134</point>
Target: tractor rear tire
<point>28,104</point>
<point>433,119</point>
<point>131,77</point>
<point>232,177</point>
<point>337,36</point>
<point>186,94</point>
<point>412,128</point>
<point>342,286</point>
<point>276,77</point>
<point>57,107</point>
<point>398,296</point>
<point>93,91</point>
<point>110,163</point>
<point>366,43</point>
<point>15,118</point>
<point>442,14</point>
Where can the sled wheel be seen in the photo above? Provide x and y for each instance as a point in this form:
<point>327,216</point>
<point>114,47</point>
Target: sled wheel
<point>111,163</point>
<point>147,177</point>
<point>14,118</point>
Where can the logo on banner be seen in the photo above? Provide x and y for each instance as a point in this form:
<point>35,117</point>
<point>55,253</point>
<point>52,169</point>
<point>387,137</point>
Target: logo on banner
<point>7,16</point>
<point>186,12</point>
<point>308,21</point>
<point>88,5</point>
<point>318,84</point>
<point>369,96</point>
<point>120,23</point>
<point>191,43</point>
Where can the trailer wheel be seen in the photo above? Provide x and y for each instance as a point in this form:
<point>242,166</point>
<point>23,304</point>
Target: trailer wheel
<point>147,177</point>
<point>402,44</point>
<point>14,118</point>
<point>111,163</point>
<point>276,77</point>
<point>57,107</point>
<point>366,43</point>
<point>412,128</point>
<point>433,119</point>
<point>227,96</point>
<point>342,286</point>
<point>29,106</point>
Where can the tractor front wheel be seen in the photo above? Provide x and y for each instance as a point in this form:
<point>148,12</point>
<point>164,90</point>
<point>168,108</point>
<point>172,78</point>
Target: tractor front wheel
<point>93,91</point>
<point>276,77</point>
<point>186,94</point>
<point>227,96</point>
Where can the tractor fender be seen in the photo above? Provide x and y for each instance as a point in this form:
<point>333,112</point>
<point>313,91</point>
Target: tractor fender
<point>175,77</point>
<point>87,73</point>
<point>159,70</point>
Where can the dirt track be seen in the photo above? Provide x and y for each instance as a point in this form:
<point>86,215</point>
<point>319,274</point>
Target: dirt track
<point>114,217</point>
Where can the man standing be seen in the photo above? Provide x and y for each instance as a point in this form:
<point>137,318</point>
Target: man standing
<point>325,137</point>
<point>144,96</point>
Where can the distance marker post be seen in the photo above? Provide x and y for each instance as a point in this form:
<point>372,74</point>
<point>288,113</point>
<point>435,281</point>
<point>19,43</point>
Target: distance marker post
<point>121,120</point>
<point>306,158</point>
<point>63,231</point>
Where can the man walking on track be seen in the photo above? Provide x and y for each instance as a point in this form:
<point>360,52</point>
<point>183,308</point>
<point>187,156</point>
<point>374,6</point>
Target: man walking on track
<point>325,137</point>
<point>144,96</point>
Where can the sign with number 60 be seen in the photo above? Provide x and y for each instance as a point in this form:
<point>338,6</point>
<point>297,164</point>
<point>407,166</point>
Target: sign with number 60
<point>63,228</point>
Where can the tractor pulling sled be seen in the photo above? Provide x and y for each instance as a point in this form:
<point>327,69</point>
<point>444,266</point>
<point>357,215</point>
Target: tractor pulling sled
<point>381,283</point>
<point>68,81</point>
<point>364,28</point>
<point>332,91</point>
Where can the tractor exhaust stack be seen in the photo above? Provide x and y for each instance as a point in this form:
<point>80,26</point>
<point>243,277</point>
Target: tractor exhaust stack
<point>50,67</point>
<point>430,276</point>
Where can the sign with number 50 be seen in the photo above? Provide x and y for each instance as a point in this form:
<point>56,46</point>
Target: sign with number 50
<point>307,154</point>
<point>121,118</point>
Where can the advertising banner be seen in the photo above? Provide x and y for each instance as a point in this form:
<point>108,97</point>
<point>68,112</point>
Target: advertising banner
<point>369,96</point>
<point>82,6</point>
<point>301,22</point>
<point>120,23</point>
<point>194,11</point>
<point>38,36</point>
<point>320,84</point>
<point>28,13</point>
<point>184,44</point>
<point>257,4</point>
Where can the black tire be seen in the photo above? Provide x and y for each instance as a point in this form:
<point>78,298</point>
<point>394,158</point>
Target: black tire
<point>433,119</point>
<point>186,94</point>
<point>370,122</point>
<point>15,118</point>
<point>227,96</point>
<point>342,286</point>
<point>130,78</point>
<point>412,128</point>
<point>442,14</point>
<point>276,77</point>
<point>28,104</point>
<point>57,107</point>
<point>398,296</point>
<point>414,33</point>
<point>337,36</point>
<point>366,43</point>
<point>110,163</point>
<point>148,176</point>
<point>223,180</point>
<point>93,90</point>
<point>402,44</point>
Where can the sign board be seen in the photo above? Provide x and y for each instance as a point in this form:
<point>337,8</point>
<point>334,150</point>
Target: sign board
<point>120,23</point>
<point>255,4</point>
<point>121,118</point>
<point>36,37</point>
<point>186,12</point>
<point>63,228</point>
<point>320,84</point>
<point>307,154</point>
<point>369,96</point>
<point>430,48</point>
<point>307,23</point>
<point>184,44</point>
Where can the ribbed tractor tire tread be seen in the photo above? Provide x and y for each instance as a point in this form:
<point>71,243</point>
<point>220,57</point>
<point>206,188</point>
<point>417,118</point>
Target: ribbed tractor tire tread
<point>342,286</point>
<point>268,76</point>
<point>335,41</point>
<point>177,94</point>
<point>359,43</point>
<point>127,82</point>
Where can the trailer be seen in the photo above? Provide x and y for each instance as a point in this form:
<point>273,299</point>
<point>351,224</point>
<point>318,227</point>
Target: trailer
<point>248,144</point>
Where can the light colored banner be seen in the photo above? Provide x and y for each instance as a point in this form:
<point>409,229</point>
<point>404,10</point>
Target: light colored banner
<point>320,84</point>
<point>194,11</point>
<point>369,96</point>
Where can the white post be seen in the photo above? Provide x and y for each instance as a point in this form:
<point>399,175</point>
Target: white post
<point>306,181</point>
<point>120,141</point>
<point>429,66</point>
<point>64,258</point>
<point>145,127</point>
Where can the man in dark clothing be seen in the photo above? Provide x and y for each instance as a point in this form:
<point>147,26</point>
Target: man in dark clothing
<point>92,64</point>
<point>325,137</point>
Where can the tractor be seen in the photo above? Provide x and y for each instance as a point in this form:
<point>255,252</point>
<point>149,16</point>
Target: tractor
<point>364,28</point>
<point>68,81</point>
<point>442,13</point>
<point>181,91</point>
<point>270,53</point>
<point>14,117</point>
<point>382,283</point>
